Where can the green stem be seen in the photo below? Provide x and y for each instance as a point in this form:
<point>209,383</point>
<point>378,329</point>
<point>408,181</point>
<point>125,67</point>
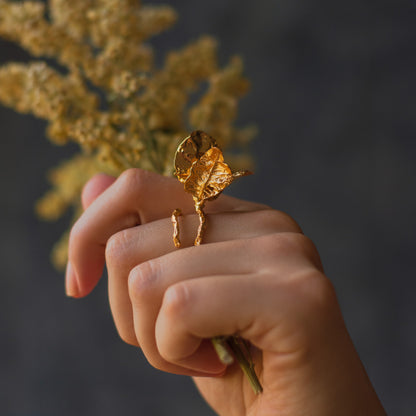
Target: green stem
<point>240,351</point>
<point>245,361</point>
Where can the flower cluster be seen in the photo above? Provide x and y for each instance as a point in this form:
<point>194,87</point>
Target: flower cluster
<point>106,93</point>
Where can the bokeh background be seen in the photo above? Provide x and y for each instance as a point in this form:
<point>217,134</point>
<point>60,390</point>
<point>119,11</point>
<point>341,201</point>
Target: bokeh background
<point>333,94</point>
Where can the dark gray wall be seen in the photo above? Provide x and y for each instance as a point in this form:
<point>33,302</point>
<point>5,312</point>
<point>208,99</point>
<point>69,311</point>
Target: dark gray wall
<point>334,97</point>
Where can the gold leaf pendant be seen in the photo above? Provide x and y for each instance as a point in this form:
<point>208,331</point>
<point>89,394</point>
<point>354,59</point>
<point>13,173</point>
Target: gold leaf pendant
<point>200,166</point>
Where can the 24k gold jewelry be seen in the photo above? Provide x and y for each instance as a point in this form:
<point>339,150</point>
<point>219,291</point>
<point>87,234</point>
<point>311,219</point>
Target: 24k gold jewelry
<point>200,166</point>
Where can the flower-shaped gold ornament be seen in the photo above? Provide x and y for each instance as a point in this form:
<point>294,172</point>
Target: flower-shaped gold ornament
<point>200,166</point>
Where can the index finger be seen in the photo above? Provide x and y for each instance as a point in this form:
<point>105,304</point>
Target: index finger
<point>135,198</point>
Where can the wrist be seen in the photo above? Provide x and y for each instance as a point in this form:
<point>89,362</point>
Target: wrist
<point>326,379</point>
<point>344,388</point>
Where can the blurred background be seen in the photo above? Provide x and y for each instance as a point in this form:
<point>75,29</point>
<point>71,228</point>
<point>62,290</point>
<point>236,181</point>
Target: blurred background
<point>334,97</point>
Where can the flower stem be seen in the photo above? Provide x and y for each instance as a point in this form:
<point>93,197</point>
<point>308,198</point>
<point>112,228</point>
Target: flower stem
<point>245,361</point>
<point>240,351</point>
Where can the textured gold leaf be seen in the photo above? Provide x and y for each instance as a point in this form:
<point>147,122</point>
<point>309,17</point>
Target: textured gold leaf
<point>191,150</point>
<point>200,166</point>
<point>209,176</point>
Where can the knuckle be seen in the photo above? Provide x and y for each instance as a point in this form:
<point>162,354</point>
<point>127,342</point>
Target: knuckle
<point>308,249</point>
<point>133,179</point>
<point>286,244</point>
<point>312,309</point>
<point>142,281</point>
<point>277,221</point>
<point>289,222</point>
<point>302,244</point>
<point>176,301</point>
<point>275,244</point>
<point>318,295</point>
<point>115,247</point>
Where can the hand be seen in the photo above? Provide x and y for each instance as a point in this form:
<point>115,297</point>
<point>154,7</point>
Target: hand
<point>255,275</point>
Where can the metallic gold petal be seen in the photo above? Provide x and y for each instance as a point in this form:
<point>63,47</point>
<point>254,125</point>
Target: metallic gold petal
<point>191,150</point>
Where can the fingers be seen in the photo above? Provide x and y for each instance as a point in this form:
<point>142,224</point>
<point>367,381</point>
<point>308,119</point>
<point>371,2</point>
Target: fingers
<point>221,294</point>
<point>129,225</point>
<point>136,197</point>
<point>121,206</point>
<point>148,283</point>
<point>273,314</point>
<point>213,313</point>
<point>95,187</point>
<point>92,189</point>
<point>137,245</point>
<point>146,288</point>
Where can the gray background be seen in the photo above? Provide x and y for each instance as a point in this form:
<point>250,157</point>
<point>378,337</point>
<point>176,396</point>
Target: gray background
<point>334,97</point>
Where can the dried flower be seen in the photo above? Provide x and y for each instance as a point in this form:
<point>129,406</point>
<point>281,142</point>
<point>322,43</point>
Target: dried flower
<point>107,95</point>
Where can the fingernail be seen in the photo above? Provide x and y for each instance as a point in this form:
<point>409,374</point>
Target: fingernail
<point>71,282</point>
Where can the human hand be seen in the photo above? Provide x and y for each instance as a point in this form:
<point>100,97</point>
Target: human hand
<point>257,276</point>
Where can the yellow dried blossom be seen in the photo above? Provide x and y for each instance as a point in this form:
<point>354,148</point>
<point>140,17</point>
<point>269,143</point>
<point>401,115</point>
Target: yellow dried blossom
<point>67,181</point>
<point>107,95</point>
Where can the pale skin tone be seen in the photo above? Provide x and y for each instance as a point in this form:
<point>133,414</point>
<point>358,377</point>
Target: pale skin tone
<point>255,275</point>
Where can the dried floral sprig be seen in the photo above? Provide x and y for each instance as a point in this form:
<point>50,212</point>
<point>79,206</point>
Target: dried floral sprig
<point>107,95</point>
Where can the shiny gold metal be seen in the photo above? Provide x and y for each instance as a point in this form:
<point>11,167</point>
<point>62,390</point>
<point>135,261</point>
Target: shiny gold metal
<point>190,150</point>
<point>200,166</point>
<point>175,214</point>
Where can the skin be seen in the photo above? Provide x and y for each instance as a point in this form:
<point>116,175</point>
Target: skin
<point>255,275</point>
